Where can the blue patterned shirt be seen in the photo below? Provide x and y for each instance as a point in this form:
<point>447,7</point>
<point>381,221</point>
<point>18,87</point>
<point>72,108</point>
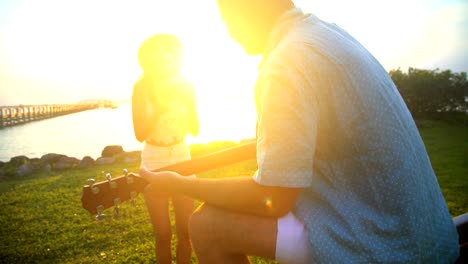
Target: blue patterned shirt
<point>331,121</point>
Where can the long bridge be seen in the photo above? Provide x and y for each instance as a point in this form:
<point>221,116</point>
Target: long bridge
<point>20,114</point>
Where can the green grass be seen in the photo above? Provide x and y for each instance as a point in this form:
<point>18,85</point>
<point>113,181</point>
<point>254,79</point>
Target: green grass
<point>42,221</point>
<point>447,145</point>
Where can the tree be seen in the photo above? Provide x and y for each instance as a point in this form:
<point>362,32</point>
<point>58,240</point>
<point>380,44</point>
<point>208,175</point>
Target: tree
<point>432,91</point>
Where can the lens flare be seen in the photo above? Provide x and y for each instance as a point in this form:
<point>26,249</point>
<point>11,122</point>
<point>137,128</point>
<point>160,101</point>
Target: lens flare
<point>268,202</point>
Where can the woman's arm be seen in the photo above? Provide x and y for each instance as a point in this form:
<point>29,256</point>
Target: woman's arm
<point>142,123</point>
<point>194,122</point>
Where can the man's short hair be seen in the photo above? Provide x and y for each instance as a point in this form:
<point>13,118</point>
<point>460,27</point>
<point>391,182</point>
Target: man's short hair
<point>252,7</point>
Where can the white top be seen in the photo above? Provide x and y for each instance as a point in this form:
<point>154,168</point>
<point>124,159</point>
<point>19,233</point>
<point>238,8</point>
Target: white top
<point>172,125</point>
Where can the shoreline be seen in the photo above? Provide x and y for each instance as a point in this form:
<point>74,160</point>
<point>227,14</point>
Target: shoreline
<point>22,165</point>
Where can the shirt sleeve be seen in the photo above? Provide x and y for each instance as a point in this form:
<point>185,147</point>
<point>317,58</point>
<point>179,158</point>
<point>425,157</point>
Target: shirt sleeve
<point>287,129</point>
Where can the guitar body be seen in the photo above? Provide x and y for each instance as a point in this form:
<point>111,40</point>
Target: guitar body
<point>97,197</point>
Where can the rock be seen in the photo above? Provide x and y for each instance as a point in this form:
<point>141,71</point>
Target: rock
<point>19,160</point>
<point>51,158</point>
<point>105,161</point>
<point>47,167</point>
<point>8,171</point>
<point>35,161</point>
<point>110,151</point>
<point>86,162</point>
<point>65,163</point>
<point>130,159</point>
<point>26,169</point>
<point>133,154</point>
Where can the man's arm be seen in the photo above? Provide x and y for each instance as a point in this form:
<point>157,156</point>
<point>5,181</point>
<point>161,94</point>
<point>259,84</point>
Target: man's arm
<point>239,194</point>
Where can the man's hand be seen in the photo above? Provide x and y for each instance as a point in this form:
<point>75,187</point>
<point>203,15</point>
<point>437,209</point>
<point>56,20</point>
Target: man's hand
<point>160,180</point>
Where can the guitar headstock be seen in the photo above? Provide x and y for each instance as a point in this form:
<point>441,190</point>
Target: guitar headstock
<point>96,197</point>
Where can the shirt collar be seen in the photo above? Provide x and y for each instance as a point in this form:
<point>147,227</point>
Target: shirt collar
<point>279,29</point>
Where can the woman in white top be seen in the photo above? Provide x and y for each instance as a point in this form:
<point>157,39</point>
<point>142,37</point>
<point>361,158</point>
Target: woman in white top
<point>164,113</point>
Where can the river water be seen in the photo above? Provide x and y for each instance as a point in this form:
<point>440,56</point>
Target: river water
<point>87,133</point>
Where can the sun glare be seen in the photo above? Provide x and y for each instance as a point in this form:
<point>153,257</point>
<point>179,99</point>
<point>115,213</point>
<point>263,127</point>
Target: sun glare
<point>224,89</point>
<point>268,202</point>
<point>223,77</point>
<point>96,58</point>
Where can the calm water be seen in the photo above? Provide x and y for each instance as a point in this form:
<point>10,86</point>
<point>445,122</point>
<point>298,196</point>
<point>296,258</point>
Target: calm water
<point>87,133</point>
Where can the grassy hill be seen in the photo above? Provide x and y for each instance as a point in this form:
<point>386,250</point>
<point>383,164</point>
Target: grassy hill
<point>42,221</point>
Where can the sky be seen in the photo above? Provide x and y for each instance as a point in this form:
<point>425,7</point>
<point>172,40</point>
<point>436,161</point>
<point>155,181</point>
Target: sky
<point>64,51</point>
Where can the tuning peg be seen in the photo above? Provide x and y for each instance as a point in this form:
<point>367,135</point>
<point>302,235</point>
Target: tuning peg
<point>91,183</point>
<point>112,184</point>
<point>100,215</point>
<point>128,177</point>
<point>116,206</point>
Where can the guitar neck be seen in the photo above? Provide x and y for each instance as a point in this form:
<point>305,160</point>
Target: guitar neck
<point>102,195</point>
<point>214,160</point>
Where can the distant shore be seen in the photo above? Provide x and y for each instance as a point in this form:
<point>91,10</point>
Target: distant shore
<point>23,165</point>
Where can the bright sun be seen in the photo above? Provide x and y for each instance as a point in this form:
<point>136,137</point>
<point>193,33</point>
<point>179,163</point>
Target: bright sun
<point>223,76</point>
<point>224,86</point>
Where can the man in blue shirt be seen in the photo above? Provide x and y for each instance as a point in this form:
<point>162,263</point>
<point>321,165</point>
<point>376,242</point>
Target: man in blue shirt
<point>343,174</point>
